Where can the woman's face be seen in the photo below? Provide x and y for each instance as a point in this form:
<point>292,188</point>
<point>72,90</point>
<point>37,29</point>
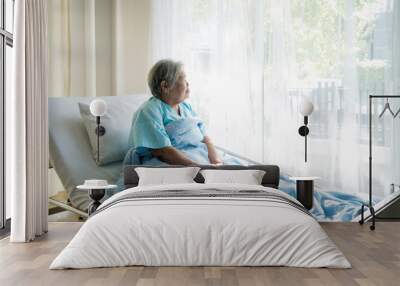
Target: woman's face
<point>180,91</point>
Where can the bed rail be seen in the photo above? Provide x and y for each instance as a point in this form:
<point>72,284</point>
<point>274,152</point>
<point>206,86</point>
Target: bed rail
<point>68,207</point>
<point>238,156</point>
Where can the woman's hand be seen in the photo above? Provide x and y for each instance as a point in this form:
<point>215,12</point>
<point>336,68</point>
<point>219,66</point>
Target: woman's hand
<point>212,152</point>
<point>215,161</point>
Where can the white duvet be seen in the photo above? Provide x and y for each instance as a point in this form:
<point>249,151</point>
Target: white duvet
<point>200,231</point>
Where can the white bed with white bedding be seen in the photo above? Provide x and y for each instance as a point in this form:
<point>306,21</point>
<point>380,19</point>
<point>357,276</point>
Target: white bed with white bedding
<point>201,224</point>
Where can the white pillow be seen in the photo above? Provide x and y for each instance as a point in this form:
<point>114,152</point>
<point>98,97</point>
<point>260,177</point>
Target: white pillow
<point>165,176</point>
<point>248,177</point>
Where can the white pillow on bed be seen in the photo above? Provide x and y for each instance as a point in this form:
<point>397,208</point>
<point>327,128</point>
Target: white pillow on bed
<point>248,177</point>
<point>165,176</point>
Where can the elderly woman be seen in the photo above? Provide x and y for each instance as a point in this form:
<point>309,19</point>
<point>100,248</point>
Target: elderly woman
<point>165,129</point>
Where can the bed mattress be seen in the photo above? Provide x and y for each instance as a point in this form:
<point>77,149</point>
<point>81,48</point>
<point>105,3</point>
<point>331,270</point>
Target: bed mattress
<point>201,225</point>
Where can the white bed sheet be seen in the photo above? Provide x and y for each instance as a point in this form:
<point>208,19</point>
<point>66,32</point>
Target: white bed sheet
<point>206,231</point>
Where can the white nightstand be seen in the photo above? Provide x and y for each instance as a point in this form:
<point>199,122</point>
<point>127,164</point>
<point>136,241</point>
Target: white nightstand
<point>305,190</point>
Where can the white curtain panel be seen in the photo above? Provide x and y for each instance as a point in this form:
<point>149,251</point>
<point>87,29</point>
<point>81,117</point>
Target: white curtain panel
<point>27,155</point>
<point>83,47</point>
<point>393,71</point>
<point>220,44</point>
<point>71,34</point>
<point>251,63</point>
<point>336,58</point>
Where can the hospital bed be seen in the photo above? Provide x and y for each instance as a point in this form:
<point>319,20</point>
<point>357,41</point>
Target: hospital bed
<point>70,150</point>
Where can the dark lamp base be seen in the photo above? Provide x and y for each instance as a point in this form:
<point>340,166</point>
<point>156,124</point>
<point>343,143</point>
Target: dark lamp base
<point>96,195</point>
<point>303,130</point>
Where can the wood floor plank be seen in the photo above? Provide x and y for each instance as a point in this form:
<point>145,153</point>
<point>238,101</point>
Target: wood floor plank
<point>375,258</point>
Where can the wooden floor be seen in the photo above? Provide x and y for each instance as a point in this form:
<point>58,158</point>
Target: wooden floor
<point>375,257</point>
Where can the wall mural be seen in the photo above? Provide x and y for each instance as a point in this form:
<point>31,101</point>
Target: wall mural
<point>234,75</point>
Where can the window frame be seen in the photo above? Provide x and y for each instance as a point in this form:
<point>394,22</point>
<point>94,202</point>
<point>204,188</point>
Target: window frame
<point>6,39</point>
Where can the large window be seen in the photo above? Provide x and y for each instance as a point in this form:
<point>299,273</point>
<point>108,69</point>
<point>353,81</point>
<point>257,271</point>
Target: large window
<point>250,63</point>
<point>336,53</point>
<point>6,56</point>
<point>340,49</point>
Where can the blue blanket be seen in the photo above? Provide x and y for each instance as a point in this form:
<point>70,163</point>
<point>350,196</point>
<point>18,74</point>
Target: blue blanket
<point>184,137</point>
<point>327,206</point>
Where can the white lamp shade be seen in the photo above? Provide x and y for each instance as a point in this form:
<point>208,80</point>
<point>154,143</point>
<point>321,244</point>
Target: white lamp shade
<point>98,107</point>
<point>306,107</point>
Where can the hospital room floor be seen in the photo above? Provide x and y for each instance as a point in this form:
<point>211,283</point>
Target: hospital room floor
<point>374,255</point>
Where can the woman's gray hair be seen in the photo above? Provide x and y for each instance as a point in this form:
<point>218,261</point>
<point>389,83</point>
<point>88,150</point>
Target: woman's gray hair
<point>167,70</point>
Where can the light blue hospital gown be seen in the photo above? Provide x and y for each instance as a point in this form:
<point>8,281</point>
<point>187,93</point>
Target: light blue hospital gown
<point>157,125</point>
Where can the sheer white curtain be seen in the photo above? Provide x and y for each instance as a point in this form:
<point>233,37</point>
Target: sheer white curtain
<point>292,74</point>
<point>72,57</point>
<point>393,72</point>
<point>221,46</point>
<point>27,130</point>
<point>336,53</point>
<point>250,64</point>
<point>81,52</point>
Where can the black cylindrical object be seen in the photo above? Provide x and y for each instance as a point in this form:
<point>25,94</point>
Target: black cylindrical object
<point>96,195</point>
<point>305,192</point>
